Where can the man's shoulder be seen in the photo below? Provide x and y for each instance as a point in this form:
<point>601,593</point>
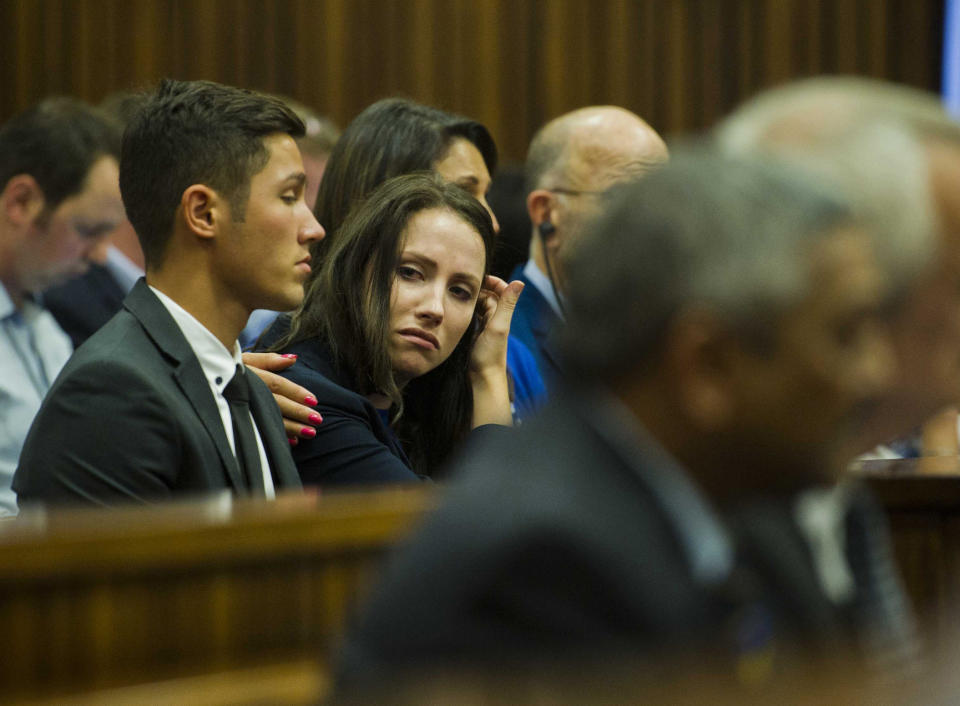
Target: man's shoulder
<point>121,339</point>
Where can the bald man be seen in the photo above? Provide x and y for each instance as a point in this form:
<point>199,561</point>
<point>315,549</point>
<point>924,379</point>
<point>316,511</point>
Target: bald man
<point>571,161</point>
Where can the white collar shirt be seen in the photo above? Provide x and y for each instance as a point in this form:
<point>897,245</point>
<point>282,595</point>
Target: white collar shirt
<point>33,350</point>
<point>219,366</point>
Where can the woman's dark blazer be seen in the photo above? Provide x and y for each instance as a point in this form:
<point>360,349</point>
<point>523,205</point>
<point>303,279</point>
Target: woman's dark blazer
<point>353,445</point>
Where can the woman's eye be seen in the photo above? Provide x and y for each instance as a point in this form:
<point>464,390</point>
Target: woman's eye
<point>461,293</point>
<point>407,272</point>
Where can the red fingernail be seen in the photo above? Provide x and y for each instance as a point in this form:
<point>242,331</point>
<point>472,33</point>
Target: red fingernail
<point>293,442</point>
<point>308,432</point>
<point>310,400</point>
<point>289,355</point>
<point>315,418</point>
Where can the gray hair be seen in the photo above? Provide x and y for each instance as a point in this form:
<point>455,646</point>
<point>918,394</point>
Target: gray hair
<point>864,138</point>
<point>707,230</point>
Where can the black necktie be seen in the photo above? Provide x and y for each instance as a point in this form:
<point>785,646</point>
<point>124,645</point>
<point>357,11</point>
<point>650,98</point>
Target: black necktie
<point>237,393</point>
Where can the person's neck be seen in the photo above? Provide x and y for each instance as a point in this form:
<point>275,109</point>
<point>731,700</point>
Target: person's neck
<point>210,304</point>
<point>14,291</point>
<point>379,401</point>
<point>718,479</point>
<point>8,277</point>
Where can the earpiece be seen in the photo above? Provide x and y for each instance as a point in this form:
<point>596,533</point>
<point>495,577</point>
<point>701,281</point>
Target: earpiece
<point>546,229</point>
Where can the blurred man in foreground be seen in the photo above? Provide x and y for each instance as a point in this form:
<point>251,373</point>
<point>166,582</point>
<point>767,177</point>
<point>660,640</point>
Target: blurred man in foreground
<point>713,304</point>
<point>843,128</point>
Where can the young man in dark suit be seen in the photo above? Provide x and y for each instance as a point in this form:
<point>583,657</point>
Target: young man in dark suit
<point>157,403</point>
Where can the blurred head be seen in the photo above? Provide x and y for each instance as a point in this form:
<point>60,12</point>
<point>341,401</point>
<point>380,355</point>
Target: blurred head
<point>896,153</point>
<point>571,161</point>
<point>398,136</point>
<point>742,309</point>
<point>58,172</point>
<point>316,144</point>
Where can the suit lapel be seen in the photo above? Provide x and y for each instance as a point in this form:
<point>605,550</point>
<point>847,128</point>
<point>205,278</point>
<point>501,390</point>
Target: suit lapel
<point>187,373</point>
<point>543,323</point>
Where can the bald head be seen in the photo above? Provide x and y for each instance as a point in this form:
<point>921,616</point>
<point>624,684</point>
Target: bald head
<point>592,148</point>
<point>572,159</point>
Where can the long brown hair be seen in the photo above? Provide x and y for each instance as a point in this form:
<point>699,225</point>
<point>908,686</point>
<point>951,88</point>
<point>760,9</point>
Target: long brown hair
<point>347,309</point>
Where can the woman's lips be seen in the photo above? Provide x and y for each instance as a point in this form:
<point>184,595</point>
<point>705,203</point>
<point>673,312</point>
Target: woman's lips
<point>420,338</point>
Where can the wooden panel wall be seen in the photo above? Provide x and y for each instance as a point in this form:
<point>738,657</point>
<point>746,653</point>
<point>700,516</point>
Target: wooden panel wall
<point>513,64</point>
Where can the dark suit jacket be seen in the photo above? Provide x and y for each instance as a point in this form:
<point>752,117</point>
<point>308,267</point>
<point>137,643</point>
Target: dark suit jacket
<point>131,419</point>
<point>550,541</point>
<point>353,444</point>
<point>84,304</point>
<point>533,323</point>
<point>771,543</point>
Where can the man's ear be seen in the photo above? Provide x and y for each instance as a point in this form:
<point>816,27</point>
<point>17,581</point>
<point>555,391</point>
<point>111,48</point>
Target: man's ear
<point>540,208</point>
<point>699,357</point>
<point>203,210</point>
<point>21,200</point>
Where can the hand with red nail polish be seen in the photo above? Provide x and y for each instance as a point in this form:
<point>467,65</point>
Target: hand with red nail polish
<point>294,401</point>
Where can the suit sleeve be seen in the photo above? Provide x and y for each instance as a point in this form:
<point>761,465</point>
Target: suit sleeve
<point>103,436</point>
<point>347,451</point>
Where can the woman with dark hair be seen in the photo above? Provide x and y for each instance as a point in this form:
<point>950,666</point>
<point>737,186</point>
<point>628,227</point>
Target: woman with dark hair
<point>402,335</point>
<point>398,136</point>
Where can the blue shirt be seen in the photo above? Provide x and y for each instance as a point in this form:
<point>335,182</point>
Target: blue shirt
<point>33,349</point>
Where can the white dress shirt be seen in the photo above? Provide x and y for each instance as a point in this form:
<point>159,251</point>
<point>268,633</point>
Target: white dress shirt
<point>219,366</point>
<point>33,349</point>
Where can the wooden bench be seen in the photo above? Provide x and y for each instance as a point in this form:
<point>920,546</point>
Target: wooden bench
<point>94,599</point>
<point>922,499</point>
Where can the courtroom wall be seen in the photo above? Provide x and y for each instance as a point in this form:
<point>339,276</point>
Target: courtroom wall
<point>512,64</point>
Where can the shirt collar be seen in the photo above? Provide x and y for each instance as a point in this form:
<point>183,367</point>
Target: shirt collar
<point>218,363</point>
<point>28,311</point>
<point>6,303</point>
<point>539,280</point>
<point>704,540</point>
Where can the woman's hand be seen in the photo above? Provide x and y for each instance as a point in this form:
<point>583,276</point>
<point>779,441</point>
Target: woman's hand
<point>488,364</point>
<point>295,402</point>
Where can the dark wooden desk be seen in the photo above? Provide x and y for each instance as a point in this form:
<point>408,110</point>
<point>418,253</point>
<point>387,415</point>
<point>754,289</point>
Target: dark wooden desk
<point>922,499</point>
<point>95,599</point>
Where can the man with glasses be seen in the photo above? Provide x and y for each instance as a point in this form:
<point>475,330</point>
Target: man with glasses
<point>571,161</point>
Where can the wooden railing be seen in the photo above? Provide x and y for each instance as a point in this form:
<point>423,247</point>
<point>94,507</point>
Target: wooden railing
<point>922,499</point>
<point>99,599</point>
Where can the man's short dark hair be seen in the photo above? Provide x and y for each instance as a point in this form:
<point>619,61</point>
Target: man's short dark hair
<point>194,132</point>
<point>56,142</point>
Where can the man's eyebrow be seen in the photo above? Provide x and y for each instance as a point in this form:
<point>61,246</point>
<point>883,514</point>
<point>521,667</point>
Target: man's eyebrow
<point>95,229</point>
